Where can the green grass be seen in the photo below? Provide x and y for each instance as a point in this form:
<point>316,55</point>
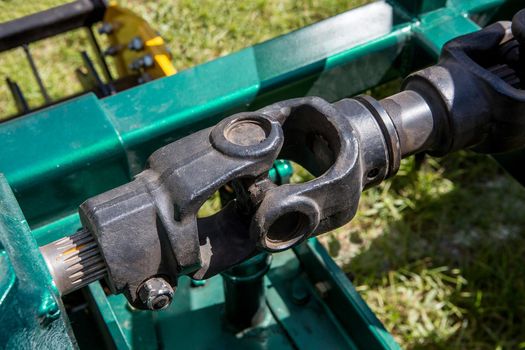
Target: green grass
<point>196,31</point>
<point>437,252</point>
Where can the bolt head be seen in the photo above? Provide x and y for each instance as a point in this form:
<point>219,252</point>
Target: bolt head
<point>148,61</point>
<point>156,293</point>
<point>106,28</point>
<point>143,62</point>
<point>136,44</point>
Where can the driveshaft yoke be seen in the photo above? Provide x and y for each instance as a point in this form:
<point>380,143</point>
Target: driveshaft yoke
<point>148,228</point>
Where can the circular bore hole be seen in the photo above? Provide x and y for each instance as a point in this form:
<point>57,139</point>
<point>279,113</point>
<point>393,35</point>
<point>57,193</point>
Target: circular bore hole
<point>160,302</point>
<point>246,132</point>
<point>372,173</point>
<point>286,229</point>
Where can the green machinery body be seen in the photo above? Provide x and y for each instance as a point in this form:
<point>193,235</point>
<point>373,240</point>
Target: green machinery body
<point>55,158</point>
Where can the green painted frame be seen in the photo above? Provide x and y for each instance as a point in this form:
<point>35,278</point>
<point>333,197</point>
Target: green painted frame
<point>99,144</point>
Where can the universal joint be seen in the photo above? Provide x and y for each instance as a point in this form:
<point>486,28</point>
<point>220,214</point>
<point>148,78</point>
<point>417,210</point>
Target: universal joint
<point>148,229</point>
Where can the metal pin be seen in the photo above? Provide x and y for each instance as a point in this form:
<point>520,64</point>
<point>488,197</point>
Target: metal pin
<point>36,74</point>
<point>20,101</point>
<point>99,54</point>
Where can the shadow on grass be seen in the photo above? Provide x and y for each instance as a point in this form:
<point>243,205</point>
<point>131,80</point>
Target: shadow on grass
<point>475,230</point>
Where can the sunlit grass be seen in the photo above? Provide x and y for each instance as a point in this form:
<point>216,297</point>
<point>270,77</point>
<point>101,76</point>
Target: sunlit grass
<point>437,252</point>
<point>418,302</point>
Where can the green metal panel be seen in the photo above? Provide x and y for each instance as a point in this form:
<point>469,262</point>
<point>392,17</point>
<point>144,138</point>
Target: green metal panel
<point>344,301</point>
<point>124,327</point>
<point>60,156</point>
<point>440,26</point>
<point>310,324</point>
<point>195,318</point>
<point>30,313</point>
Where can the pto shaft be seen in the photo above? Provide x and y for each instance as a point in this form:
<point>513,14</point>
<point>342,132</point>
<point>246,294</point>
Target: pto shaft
<point>143,235</point>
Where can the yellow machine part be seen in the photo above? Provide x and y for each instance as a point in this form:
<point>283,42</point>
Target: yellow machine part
<point>126,26</point>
